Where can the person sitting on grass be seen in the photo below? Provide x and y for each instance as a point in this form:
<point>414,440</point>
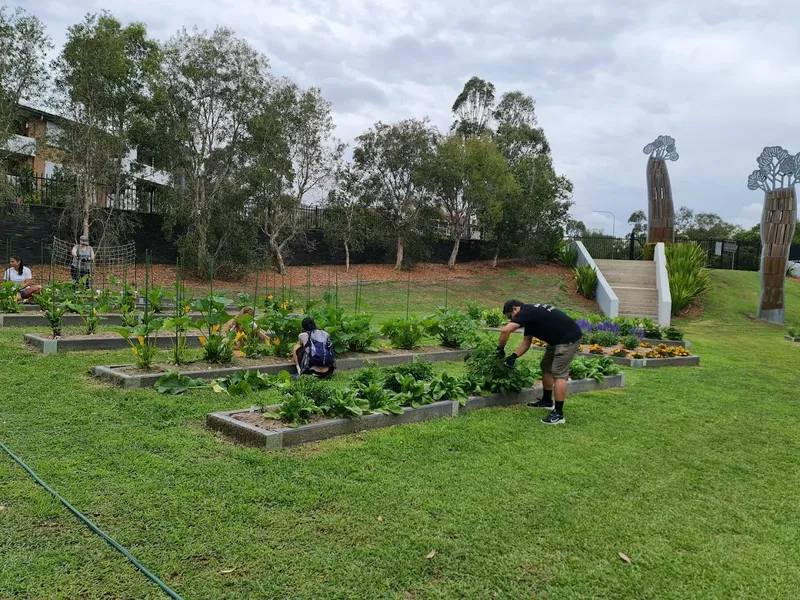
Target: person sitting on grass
<point>234,325</point>
<point>313,352</point>
<point>22,276</point>
<point>563,337</point>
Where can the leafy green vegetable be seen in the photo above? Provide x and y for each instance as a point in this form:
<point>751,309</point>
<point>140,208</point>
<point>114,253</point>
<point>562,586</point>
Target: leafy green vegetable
<point>174,383</point>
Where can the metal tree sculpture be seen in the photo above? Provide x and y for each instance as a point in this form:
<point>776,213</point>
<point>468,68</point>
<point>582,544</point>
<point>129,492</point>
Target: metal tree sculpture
<point>660,210</point>
<point>777,174</point>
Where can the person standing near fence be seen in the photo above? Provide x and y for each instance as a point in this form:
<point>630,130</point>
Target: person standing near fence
<point>82,259</point>
<point>563,337</point>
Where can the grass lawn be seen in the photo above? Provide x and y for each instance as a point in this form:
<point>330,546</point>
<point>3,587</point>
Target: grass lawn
<point>693,473</point>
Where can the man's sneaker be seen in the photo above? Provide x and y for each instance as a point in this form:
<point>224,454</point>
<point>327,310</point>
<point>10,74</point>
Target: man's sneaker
<point>542,403</point>
<point>554,418</point>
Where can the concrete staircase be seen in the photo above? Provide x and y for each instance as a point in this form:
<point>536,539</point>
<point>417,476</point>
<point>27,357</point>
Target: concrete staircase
<point>634,283</point>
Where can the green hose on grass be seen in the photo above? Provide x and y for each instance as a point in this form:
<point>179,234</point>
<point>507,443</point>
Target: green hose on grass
<point>92,526</point>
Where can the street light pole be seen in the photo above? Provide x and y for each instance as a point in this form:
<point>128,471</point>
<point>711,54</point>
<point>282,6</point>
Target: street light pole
<point>613,222</point>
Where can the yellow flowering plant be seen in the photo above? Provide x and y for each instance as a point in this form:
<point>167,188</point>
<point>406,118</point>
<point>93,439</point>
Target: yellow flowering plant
<point>143,339</point>
<point>216,347</point>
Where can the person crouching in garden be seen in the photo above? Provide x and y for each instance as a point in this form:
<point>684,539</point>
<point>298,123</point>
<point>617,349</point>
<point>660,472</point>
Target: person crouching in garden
<point>234,324</point>
<point>23,278</point>
<point>313,353</point>
<point>563,337</point>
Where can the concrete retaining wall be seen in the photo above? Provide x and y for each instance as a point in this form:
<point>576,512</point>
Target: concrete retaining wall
<point>662,285</point>
<point>606,298</point>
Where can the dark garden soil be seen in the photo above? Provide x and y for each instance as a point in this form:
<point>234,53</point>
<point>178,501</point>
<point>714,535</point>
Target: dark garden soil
<point>244,363</point>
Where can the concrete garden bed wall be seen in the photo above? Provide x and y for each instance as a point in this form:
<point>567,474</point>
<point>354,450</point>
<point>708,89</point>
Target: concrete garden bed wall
<point>45,344</point>
<point>796,340</point>
<point>284,437</point>
<point>649,363</point>
<point>114,375</point>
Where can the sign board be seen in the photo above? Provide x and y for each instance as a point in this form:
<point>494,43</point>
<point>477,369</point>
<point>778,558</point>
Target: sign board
<point>725,247</point>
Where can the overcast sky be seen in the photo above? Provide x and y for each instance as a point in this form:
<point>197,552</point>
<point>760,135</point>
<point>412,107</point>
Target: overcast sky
<point>608,76</point>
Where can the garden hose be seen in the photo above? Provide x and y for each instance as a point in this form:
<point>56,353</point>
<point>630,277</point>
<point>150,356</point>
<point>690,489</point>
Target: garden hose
<point>92,526</point>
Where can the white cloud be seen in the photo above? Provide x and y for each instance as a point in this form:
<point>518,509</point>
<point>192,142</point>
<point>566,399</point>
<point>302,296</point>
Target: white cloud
<point>608,76</point>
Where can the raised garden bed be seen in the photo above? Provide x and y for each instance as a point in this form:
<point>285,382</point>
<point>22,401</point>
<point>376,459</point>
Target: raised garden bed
<point>129,377</point>
<point>250,427</point>
<point>98,341</point>
<point>789,338</point>
<point>652,341</point>
<point>638,363</point>
<point>37,319</point>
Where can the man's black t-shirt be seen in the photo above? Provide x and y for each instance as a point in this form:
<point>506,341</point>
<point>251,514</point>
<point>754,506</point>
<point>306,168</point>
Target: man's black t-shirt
<point>548,324</point>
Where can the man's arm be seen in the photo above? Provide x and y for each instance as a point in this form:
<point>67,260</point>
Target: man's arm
<point>506,333</point>
<point>524,345</point>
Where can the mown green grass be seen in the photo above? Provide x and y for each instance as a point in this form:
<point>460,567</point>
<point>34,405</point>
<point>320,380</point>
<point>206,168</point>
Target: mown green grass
<point>691,472</point>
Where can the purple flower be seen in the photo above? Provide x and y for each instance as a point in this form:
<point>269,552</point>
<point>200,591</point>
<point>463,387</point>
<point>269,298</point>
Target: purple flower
<point>638,332</point>
<point>608,326</point>
<point>585,325</point>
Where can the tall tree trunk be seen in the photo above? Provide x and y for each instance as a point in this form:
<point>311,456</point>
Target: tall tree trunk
<point>398,264</point>
<point>452,262</point>
<point>87,207</point>
<point>346,257</point>
<point>280,266</point>
<point>496,254</point>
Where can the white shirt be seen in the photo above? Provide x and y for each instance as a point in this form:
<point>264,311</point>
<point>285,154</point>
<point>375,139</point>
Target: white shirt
<point>13,275</point>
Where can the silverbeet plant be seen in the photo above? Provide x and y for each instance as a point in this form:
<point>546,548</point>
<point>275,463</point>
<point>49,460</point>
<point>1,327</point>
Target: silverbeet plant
<point>484,365</point>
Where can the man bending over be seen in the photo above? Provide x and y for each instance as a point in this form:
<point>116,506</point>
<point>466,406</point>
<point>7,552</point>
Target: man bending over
<point>563,337</point>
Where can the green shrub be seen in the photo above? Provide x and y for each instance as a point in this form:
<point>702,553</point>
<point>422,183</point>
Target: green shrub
<point>474,310</point>
<point>794,332</point>
<point>631,342</point>
<point>344,404</point>
<point>592,368</point>
<point>486,367</point>
<point>380,400</point>
<point>8,298</point>
<point>651,330</point>
<point>688,277</point>
<point>568,254</point>
<point>493,317</point>
<point>421,370</point>
<point>412,392</point>
<point>453,328</point>
<point>448,387</point>
<point>586,279</point>
<point>404,333</point>
<point>671,333</point>
<point>284,327</point>
<point>295,409</point>
<point>604,338</point>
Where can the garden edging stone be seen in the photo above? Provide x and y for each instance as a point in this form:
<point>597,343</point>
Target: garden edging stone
<point>47,345</point>
<point>226,423</point>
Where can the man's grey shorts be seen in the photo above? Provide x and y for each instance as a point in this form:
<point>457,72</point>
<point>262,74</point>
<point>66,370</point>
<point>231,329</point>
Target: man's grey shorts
<point>558,358</point>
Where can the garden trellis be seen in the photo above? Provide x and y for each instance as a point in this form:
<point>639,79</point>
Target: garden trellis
<point>116,261</point>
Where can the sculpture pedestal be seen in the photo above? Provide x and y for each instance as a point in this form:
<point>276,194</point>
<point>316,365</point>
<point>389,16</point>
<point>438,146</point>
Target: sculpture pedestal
<point>778,222</point>
<point>660,209</point>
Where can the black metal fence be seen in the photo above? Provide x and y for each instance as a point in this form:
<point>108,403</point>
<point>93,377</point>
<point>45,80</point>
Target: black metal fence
<point>721,254</point>
<point>30,189</point>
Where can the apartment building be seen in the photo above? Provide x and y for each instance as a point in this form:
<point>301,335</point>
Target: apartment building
<point>33,148</point>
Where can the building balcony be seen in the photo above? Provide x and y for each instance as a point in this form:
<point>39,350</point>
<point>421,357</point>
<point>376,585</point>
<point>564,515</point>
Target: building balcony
<point>21,144</point>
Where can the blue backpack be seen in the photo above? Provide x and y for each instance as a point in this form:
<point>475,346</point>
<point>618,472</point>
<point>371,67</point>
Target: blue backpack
<point>318,351</point>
